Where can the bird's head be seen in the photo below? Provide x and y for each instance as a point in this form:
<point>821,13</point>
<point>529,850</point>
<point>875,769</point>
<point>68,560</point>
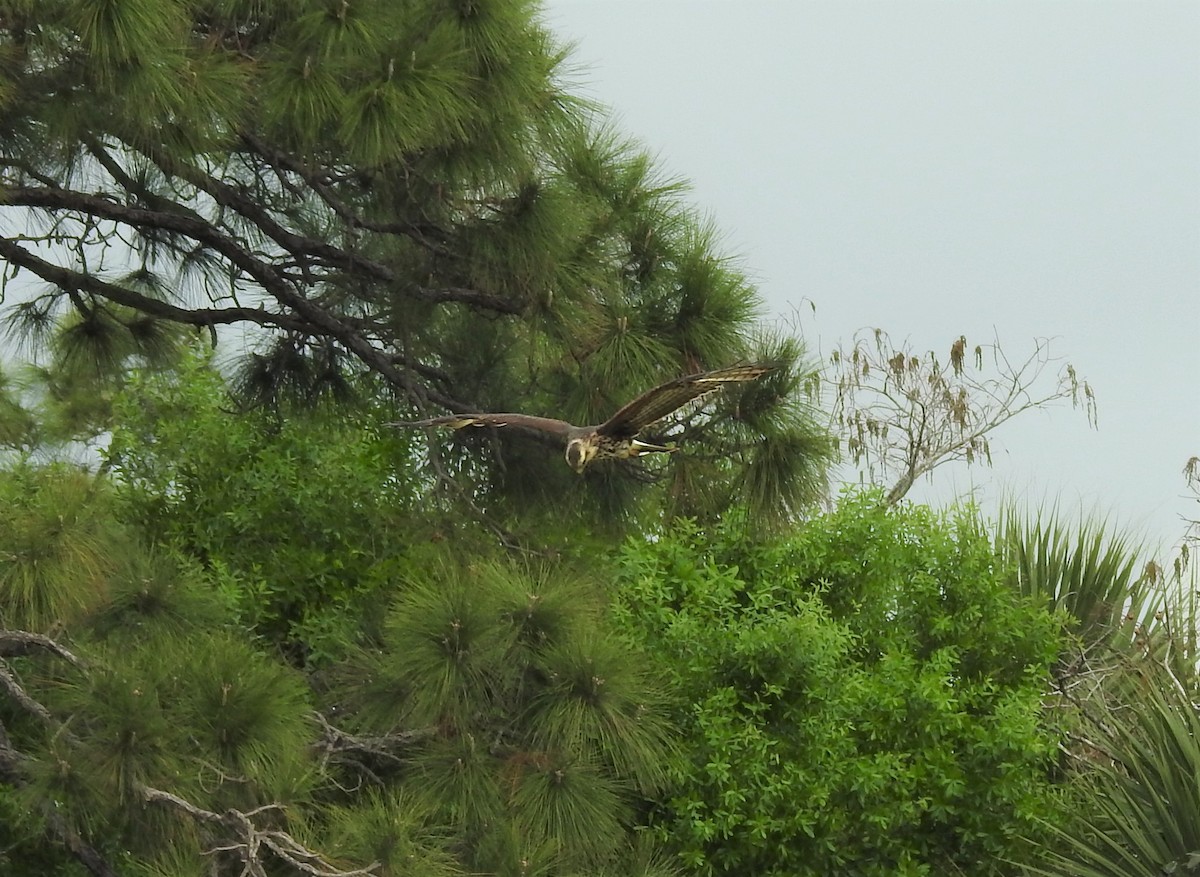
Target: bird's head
<point>580,452</point>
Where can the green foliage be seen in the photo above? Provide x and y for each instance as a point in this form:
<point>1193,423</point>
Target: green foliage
<point>158,688</point>
<point>541,731</point>
<point>300,517</point>
<point>79,362</point>
<point>1092,571</point>
<point>205,716</point>
<point>778,480</point>
<point>17,425</point>
<point>153,592</point>
<point>23,848</point>
<point>510,725</point>
<point>389,829</point>
<point>1137,808</point>
<point>56,531</point>
<point>861,698</point>
<point>405,190</point>
<point>1127,688</point>
<point>287,624</point>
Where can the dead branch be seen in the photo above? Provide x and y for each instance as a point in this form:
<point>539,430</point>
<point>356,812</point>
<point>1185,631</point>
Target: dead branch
<point>903,415</point>
<point>249,844</point>
<point>18,643</point>
<point>334,741</point>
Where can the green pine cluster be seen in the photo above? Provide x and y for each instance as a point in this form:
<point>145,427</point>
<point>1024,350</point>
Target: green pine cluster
<point>484,724</point>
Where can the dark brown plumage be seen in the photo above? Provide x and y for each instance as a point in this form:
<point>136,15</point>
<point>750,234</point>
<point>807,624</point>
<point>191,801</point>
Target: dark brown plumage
<point>617,436</point>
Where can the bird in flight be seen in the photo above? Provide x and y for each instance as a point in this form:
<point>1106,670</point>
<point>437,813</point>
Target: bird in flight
<point>616,437</point>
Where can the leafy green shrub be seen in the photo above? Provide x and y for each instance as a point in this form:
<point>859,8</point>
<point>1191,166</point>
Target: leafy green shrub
<point>299,517</point>
<point>862,698</point>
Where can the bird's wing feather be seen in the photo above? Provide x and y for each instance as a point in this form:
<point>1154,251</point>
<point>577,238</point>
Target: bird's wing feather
<point>525,421</point>
<point>657,403</point>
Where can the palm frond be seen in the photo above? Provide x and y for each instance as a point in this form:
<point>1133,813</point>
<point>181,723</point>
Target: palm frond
<point>1138,810</point>
<point>1095,573</point>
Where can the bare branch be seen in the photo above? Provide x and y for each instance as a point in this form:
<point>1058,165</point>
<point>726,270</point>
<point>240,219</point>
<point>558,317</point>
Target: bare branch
<point>248,841</point>
<point>902,415</point>
<point>13,688</point>
<point>17,643</point>
<point>355,750</point>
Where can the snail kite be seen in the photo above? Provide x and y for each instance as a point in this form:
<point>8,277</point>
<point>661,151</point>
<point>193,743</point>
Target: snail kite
<point>616,437</point>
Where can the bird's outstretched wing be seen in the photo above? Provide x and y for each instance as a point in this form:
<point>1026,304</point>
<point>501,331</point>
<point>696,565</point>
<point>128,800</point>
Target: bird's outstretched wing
<point>524,421</point>
<point>657,403</point>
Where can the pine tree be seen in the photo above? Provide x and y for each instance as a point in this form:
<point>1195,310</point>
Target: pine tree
<point>403,190</point>
<point>491,723</point>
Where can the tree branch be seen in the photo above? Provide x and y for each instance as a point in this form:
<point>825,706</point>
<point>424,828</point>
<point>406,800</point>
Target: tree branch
<point>336,741</point>
<point>12,769</point>
<point>250,843</point>
<point>250,840</point>
<point>17,643</point>
<point>13,688</point>
<point>66,279</point>
<point>935,412</point>
<point>312,317</point>
<point>303,248</point>
<point>428,236</point>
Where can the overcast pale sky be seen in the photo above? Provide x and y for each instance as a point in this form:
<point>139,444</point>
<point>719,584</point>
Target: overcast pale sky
<point>1030,169</point>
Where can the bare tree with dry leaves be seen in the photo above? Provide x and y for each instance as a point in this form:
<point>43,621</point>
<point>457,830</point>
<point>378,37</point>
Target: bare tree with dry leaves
<point>901,414</point>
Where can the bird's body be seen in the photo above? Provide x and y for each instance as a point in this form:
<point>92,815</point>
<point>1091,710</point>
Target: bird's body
<point>616,438</point>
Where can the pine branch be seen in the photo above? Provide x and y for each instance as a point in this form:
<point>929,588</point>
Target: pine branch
<point>428,235</point>
<point>18,643</point>
<point>249,265</point>
<point>13,688</point>
<point>12,773</point>
<point>83,852</point>
<point>307,315</point>
<point>309,252</point>
<point>12,762</point>
<point>304,249</point>
<point>65,278</point>
<point>251,843</point>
